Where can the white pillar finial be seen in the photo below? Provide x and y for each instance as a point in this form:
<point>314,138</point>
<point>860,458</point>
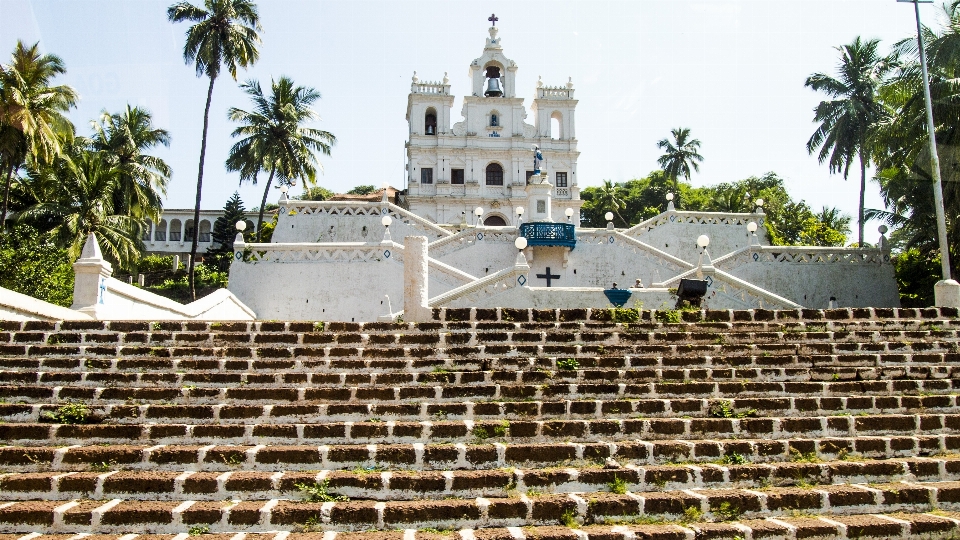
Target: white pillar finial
<point>91,273</point>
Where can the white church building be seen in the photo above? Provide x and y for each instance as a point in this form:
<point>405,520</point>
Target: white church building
<point>473,199</point>
<point>485,159</point>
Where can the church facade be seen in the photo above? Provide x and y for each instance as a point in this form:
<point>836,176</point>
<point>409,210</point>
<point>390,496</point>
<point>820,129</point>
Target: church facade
<point>478,227</point>
<point>485,160</point>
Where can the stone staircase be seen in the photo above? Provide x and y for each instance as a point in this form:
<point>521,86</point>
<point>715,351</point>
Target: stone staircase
<point>486,425</point>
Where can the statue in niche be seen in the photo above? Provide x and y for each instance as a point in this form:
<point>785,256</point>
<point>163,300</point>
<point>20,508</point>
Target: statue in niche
<point>537,160</point>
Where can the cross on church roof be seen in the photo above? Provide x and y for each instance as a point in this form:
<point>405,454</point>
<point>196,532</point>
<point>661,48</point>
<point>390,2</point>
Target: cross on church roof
<point>493,18</point>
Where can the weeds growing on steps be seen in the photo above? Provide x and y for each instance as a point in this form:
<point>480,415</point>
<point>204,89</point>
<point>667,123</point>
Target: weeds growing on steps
<point>569,519</point>
<point>618,486</point>
<point>724,409</point>
<point>317,492</point>
<point>71,413</point>
<point>568,364</point>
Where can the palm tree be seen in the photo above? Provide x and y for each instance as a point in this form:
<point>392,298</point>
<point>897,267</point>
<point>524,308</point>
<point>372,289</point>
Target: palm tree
<point>123,138</point>
<point>610,196</point>
<point>32,124</point>
<point>76,197</point>
<point>680,155</point>
<point>274,138</point>
<point>835,219</point>
<point>849,121</point>
<point>225,34</point>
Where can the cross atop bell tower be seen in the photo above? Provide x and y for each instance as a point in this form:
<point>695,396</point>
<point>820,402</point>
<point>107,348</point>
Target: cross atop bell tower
<point>493,19</point>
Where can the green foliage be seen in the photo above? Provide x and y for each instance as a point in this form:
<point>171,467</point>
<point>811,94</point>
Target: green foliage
<point>849,119</point>
<point>220,255</point>
<point>33,123</point>
<point>799,226</point>
<point>670,316</point>
<point>75,196</point>
<point>569,519</point>
<point>31,264</point>
<point>916,273</point>
<point>727,512</point>
<point>568,364</point>
<point>317,492</point>
<point>198,530</point>
<point>734,459</point>
<point>315,193</point>
<point>724,409</point>
<point>625,315</point>
<point>362,190</point>
<point>176,287</point>
<point>71,413</point>
<point>787,222</point>
<point>692,514</point>
<point>680,155</point>
<point>274,139</point>
<point>618,485</point>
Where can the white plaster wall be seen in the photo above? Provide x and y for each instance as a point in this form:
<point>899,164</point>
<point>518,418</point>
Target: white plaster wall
<point>16,306</point>
<point>680,239</point>
<point>584,297</point>
<point>120,301</point>
<point>812,284</point>
<point>598,265</point>
<point>303,227</point>
<point>482,258</point>
<point>325,291</point>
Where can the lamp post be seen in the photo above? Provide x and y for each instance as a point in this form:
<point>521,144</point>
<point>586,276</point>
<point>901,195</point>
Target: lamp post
<point>946,291</point>
<point>569,213</point>
<point>386,220</point>
<point>609,217</point>
<point>519,211</point>
<point>478,211</point>
<point>752,229</point>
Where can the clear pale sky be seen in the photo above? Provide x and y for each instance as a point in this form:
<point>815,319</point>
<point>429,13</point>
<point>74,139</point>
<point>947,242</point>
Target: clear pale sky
<point>731,71</point>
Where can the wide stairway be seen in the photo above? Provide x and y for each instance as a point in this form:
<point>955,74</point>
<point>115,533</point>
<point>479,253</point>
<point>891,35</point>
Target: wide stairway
<point>485,425</point>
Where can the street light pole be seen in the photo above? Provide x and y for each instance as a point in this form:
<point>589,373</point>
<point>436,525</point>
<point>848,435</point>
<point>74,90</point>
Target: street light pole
<point>946,291</point>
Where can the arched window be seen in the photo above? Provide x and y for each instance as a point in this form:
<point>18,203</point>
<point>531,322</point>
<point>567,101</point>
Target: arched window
<point>494,175</point>
<point>430,122</point>
<point>495,221</point>
<point>556,123</point>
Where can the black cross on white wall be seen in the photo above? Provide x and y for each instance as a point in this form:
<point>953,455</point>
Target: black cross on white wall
<point>548,276</point>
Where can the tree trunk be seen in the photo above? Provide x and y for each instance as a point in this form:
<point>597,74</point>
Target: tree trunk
<point>6,199</point>
<point>263,203</point>
<point>863,192</point>
<point>196,209</point>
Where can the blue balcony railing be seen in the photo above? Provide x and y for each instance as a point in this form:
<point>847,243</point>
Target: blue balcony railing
<point>549,234</point>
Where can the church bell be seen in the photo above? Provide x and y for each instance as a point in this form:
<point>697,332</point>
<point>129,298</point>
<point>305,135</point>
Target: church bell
<point>493,82</point>
<point>493,88</point>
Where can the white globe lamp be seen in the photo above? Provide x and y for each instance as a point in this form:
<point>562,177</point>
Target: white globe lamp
<point>608,216</point>
<point>386,221</point>
<point>703,241</point>
<point>752,227</point>
<point>241,226</point>
<point>669,196</point>
<point>520,243</point>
